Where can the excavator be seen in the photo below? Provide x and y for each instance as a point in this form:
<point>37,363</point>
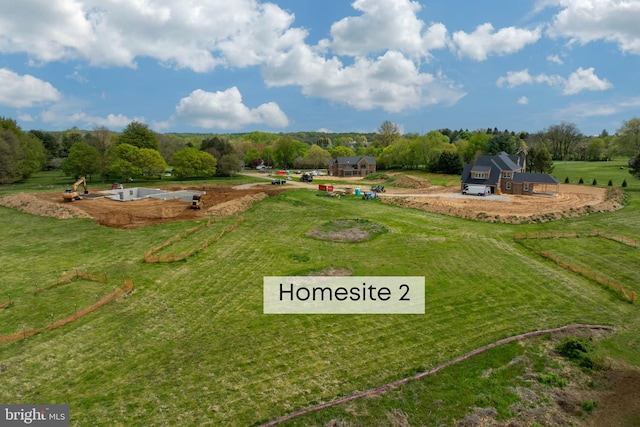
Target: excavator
<point>71,194</point>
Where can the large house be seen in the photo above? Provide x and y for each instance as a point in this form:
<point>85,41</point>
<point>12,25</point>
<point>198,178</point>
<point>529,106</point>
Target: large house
<point>505,173</point>
<point>352,166</point>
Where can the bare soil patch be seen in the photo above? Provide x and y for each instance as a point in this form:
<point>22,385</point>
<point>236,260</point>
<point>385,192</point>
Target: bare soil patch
<point>347,230</point>
<point>219,200</point>
<point>332,271</point>
<point>571,201</point>
<point>620,406</point>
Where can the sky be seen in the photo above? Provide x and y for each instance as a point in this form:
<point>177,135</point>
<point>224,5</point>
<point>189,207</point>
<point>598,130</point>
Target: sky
<point>232,66</point>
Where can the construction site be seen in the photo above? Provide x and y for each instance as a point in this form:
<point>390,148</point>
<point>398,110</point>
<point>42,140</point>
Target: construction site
<point>141,206</point>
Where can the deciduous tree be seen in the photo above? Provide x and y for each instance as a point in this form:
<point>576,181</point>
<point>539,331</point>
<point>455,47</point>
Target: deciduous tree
<point>341,151</point>
<point>139,135</point>
<point>316,157</point>
<point>150,163</point>
<point>229,165</point>
<point>539,159</point>
<point>83,160</point>
<point>190,162</point>
<point>629,137</point>
<point>21,154</point>
<point>387,133</point>
<point>563,139</point>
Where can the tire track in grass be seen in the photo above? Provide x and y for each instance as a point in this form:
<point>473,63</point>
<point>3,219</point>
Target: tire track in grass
<point>390,386</point>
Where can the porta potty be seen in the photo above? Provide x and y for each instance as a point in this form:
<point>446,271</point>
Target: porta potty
<point>357,191</point>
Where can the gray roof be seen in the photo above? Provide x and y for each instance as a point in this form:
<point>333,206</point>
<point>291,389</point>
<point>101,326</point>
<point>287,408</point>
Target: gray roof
<point>502,161</point>
<point>494,175</point>
<point>353,160</point>
<point>538,178</point>
<point>495,164</point>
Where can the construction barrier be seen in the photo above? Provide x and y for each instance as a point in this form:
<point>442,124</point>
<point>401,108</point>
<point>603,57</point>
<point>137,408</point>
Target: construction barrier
<point>75,273</point>
<point>573,235</point>
<point>151,256</point>
<point>580,269</point>
<point>126,288</point>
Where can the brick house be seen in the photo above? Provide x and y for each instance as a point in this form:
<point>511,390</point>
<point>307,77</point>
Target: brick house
<point>505,173</point>
<point>352,166</point>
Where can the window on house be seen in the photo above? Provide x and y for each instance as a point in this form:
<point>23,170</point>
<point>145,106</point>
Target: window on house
<point>506,175</point>
<point>525,187</point>
<point>478,175</point>
<point>508,185</point>
<point>363,166</point>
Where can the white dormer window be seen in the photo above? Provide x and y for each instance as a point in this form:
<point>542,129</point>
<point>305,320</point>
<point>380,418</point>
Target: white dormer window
<point>506,175</point>
<point>478,175</point>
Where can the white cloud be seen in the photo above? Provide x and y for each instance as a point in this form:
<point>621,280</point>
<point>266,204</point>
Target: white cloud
<point>555,59</point>
<point>590,20</point>
<point>386,25</point>
<point>578,81</point>
<point>600,109</point>
<point>391,81</point>
<point>583,79</point>
<point>77,77</point>
<point>112,121</point>
<point>194,34</point>
<point>523,100</point>
<point>515,78</point>
<point>69,112</point>
<point>25,91</point>
<point>26,118</point>
<point>484,41</point>
<point>225,110</point>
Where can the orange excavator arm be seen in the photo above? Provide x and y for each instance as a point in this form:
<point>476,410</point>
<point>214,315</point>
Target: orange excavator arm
<point>82,181</point>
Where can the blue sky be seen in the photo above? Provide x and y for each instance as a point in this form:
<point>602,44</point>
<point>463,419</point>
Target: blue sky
<point>307,65</point>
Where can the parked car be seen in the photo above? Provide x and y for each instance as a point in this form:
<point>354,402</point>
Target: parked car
<point>278,181</point>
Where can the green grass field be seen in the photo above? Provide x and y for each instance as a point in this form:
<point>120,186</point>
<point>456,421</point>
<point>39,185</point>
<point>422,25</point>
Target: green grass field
<point>191,346</point>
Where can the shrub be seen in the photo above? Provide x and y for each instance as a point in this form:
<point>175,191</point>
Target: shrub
<point>589,405</point>
<point>610,183</point>
<point>552,380</point>
<point>581,181</point>
<point>624,183</point>
<point>566,180</point>
<point>595,182</point>
<point>580,350</point>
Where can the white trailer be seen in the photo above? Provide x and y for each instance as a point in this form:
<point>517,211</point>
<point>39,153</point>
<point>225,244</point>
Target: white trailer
<point>478,190</point>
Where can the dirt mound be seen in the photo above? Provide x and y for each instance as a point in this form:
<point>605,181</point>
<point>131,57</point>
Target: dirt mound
<point>233,207</point>
<point>408,181</point>
<point>33,205</point>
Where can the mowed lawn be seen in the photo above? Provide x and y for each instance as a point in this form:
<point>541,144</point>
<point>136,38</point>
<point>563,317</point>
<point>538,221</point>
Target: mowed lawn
<point>190,346</point>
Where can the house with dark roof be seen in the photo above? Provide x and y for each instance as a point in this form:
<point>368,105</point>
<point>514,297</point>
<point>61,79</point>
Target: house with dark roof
<point>352,166</point>
<point>506,173</point>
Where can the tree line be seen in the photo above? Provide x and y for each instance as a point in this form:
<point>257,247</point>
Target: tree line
<point>139,152</point>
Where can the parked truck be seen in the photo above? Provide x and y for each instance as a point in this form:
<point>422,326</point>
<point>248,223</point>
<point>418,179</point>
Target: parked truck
<point>478,190</point>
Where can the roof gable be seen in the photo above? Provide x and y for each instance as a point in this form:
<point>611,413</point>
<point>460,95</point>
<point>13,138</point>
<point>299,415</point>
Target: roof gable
<point>502,161</point>
<point>355,160</point>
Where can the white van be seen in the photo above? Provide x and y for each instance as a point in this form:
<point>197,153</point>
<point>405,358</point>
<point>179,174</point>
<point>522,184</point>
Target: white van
<point>478,190</point>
